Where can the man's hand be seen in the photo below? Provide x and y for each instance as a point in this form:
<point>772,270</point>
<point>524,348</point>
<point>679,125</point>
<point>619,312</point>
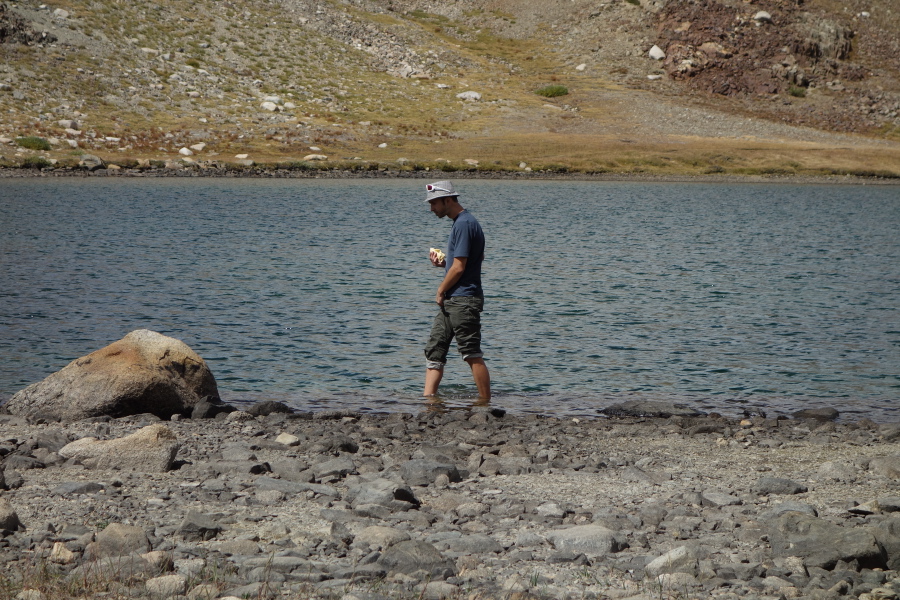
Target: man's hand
<point>436,259</point>
<point>439,298</point>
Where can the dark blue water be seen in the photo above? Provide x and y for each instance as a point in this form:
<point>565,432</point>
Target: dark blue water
<point>320,294</point>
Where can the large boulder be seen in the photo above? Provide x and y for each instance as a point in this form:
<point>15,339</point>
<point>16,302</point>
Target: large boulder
<point>821,543</point>
<point>151,449</point>
<point>144,372</point>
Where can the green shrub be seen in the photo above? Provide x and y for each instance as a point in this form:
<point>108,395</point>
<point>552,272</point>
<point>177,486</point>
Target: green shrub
<point>797,91</point>
<point>192,62</point>
<point>35,162</point>
<point>33,142</point>
<point>552,91</point>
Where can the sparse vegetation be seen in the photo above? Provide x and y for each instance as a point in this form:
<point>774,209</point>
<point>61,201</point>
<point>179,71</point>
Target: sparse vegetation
<point>35,162</point>
<point>33,142</point>
<point>797,91</point>
<point>552,91</point>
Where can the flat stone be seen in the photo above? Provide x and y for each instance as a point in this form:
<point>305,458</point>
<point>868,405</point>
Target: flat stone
<point>777,485</point>
<point>592,540</point>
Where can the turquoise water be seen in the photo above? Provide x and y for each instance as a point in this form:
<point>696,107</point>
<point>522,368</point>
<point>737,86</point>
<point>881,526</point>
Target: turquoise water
<point>319,293</point>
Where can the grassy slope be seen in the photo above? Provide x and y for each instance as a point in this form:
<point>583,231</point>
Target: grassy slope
<point>162,75</point>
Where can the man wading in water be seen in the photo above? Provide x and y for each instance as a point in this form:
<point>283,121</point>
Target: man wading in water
<point>459,295</point>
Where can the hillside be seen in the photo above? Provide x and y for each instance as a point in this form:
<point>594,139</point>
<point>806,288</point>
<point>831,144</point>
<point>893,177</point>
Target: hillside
<point>745,87</point>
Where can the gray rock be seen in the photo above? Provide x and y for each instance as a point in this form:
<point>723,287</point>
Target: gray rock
<point>819,414</point>
<point>424,472</point>
<point>592,540</point>
<point>118,540</point>
<point>13,479</point>
<point>786,507</point>
<point>150,449</point>
<point>166,586</point>
<point>198,527</point>
<point>338,443</point>
<point>360,572</point>
<point>208,410</point>
<point>22,463</point>
<point>382,492</point>
<point>890,432</point>
<point>380,537</point>
<point>268,407</point>
<point>889,504</point>
<point>239,547</point>
<point>72,488</point>
<point>888,535</point>
<point>475,543</point>
<point>821,543</point>
<point>261,590</point>
<point>336,467</point>
<point>441,454</point>
<point>280,564</point>
<point>718,499</point>
<point>239,467</point>
<point>776,485</point>
<point>294,487</point>
<point>144,372</point>
<point>834,471</point>
<point>91,162</point>
<point>886,466</point>
<point>678,560</point>
<point>9,520</point>
<point>115,568</point>
<point>650,408</point>
<point>413,556</point>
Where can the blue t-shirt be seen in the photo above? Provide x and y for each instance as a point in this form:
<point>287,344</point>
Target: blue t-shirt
<point>466,240</point>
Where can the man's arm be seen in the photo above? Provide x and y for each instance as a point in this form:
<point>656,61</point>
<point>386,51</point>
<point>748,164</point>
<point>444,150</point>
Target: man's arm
<point>453,274</point>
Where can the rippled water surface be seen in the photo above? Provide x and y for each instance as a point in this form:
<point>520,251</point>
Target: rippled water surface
<point>319,293</point>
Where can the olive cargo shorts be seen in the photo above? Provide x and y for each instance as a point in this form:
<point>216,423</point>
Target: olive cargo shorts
<point>460,317</point>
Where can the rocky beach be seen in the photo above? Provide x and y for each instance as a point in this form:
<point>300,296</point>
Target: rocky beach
<point>124,476</point>
<point>271,503</point>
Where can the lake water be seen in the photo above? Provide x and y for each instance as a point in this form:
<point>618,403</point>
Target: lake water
<point>319,293</point>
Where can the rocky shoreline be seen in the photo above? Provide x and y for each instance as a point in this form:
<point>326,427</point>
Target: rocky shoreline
<point>263,172</point>
<point>271,503</point>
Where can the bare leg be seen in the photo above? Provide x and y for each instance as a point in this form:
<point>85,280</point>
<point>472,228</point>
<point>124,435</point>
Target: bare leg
<point>481,376</point>
<point>432,381</point>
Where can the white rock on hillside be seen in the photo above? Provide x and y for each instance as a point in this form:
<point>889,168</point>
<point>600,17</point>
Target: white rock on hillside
<point>185,152</point>
<point>656,53</point>
<point>269,106</point>
<point>469,96</point>
<point>68,123</point>
<point>762,17</point>
<point>199,147</point>
<point>315,157</point>
<point>273,99</point>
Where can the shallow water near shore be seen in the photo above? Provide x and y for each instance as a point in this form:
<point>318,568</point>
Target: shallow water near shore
<point>318,293</point>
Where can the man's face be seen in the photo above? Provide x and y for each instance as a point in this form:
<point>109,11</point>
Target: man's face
<point>440,206</point>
